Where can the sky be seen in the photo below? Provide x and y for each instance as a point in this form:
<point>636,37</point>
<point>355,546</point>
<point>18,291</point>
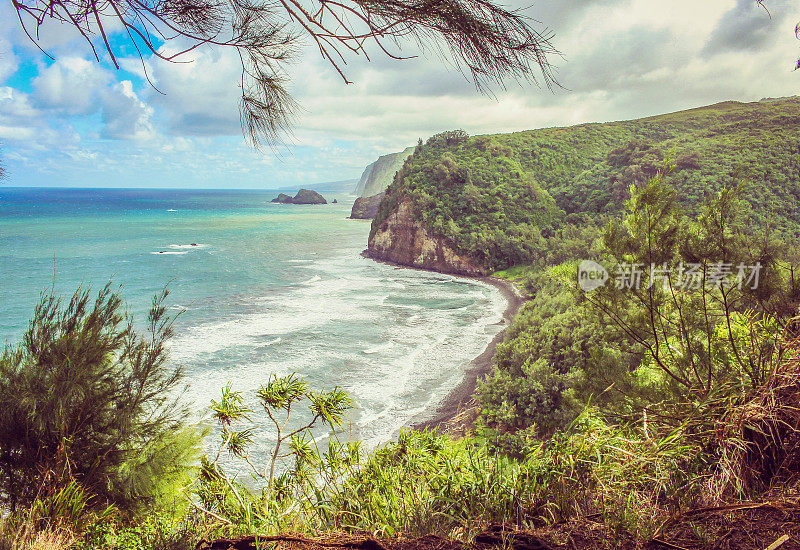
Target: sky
<point>68,120</point>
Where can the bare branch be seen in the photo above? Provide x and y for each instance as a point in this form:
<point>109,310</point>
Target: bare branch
<point>486,41</point>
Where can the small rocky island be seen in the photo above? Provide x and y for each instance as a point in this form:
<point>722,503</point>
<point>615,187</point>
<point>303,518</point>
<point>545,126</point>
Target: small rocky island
<point>304,196</point>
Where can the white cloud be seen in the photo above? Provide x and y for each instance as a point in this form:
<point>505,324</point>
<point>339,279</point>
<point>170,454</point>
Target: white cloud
<point>19,120</point>
<point>16,105</point>
<point>72,85</point>
<point>8,59</point>
<point>55,37</point>
<point>200,92</point>
<point>125,116</point>
<point>25,130</point>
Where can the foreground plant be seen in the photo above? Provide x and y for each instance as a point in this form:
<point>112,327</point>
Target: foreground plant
<point>90,417</point>
<point>229,501</point>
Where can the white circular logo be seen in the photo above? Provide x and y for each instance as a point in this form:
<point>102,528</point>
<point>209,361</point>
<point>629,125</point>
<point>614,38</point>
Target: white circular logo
<point>591,275</point>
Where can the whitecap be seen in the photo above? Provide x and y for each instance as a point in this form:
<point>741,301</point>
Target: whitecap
<point>379,348</point>
<point>312,280</point>
<point>272,342</point>
<point>187,246</point>
<point>275,316</point>
<point>412,307</point>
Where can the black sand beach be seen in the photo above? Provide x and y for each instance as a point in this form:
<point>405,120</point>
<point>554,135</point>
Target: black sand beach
<point>459,396</point>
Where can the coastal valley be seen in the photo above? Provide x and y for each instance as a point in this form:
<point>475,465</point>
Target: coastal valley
<point>643,392</point>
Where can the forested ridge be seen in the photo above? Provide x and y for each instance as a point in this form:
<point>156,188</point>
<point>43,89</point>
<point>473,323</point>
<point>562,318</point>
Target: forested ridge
<point>500,198</point>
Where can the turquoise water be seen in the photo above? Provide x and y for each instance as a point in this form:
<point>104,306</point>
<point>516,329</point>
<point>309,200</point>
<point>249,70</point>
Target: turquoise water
<point>268,289</point>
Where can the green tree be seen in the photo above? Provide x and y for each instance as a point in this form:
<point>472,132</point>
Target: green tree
<point>685,292</point>
<point>87,399</point>
<point>308,473</point>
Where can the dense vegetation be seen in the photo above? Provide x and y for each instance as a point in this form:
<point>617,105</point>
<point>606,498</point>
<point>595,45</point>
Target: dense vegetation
<point>589,168</point>
<point>623,348</point>
<point>485,203</point>
<point>498,198</point>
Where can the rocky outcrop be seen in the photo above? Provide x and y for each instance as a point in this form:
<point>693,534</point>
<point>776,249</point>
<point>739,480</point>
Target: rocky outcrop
<point>378,175</point>
<point>366,208</point>
<point>283,198</point>
<point>304,196</point>
<point>402,239</point>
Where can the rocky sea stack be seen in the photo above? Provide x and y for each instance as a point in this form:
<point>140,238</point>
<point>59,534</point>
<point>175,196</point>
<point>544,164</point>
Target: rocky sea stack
<point>283,198</point>
<point>304,196</point>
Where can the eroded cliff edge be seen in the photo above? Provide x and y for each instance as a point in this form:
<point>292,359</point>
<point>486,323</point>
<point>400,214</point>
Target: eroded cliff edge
<point>366,208</point>
<point>402,239</point>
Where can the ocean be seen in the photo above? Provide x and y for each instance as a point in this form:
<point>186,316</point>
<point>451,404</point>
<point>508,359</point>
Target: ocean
<point>263,289</point>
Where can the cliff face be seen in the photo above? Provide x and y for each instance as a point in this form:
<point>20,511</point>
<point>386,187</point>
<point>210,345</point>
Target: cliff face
<point>402,239</point>
<point>366,208</point>
<point>378,175</point>
<point>362,182</point>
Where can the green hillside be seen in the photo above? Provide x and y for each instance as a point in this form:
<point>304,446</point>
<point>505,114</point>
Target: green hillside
<point>589,168</point>
<point>485,203</point>
<point>499,198</point>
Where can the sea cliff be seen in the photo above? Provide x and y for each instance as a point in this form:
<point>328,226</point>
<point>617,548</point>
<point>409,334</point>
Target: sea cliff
<point>366,208</point>
<point>402,238</point>
<point>378,175</point>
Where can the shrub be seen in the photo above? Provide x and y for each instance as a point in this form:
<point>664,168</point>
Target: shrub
<point>87,399</point>
<point>156,531</point>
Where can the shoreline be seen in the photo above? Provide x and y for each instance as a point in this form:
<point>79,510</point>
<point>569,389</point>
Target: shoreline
<point>457,398</point>
<point>453,403</point>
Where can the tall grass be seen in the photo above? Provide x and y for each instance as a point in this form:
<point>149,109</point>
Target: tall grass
<point>426,483</point>
<point>25,536</point>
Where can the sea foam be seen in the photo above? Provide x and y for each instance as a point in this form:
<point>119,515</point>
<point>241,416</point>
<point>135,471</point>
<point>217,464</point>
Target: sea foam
<point>397,341</point>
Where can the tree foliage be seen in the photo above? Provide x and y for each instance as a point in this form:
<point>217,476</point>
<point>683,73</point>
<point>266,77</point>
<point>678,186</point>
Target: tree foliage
<point>671,332</point>
<point>489,42</point>
<point>477,196</point>
<point>305,469</point>
<point>87,399</point>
